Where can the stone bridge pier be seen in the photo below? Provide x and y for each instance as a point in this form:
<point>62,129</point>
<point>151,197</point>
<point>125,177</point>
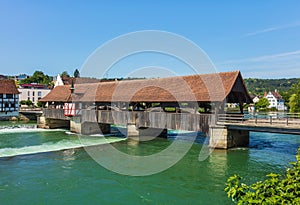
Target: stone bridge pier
<point>88,128</point>
<point>145,133</point>
<point>221,137</point>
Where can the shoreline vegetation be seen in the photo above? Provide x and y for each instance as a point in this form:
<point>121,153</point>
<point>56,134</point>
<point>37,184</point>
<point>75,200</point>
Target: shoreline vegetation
<point>276,189</point>
<point>289,89</point>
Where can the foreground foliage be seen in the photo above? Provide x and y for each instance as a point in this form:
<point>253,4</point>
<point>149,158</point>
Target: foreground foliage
<point>294,103</point>
<point>276,189</point>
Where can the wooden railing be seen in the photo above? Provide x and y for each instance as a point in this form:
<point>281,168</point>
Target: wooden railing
<point>230,118</point>
<point>291,120</point>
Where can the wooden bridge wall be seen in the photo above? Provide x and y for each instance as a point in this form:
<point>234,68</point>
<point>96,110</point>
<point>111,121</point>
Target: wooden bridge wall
<point>163,120</point>
<point>177,121</point>
<point>55,114</point>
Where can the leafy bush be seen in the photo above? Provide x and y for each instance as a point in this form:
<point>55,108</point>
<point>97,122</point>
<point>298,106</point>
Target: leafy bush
<point>23,102</point>
<point>39,104</point>
<point>26,102</point>
<point>276,189</point>
<point>262,103</point>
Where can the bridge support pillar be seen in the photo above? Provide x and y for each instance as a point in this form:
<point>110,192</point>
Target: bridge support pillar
<point>149,133</point>
<point>75,125</point>
<point>41,122</point>
<point>48,123</point>
<point>105,128</point>
<point>88,128</point>
<point>132,131</point>
<point>223,138</point>
<point>145,133</point>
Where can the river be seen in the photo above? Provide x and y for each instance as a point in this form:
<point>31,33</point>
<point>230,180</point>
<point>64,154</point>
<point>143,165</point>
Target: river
<point>49,167</point>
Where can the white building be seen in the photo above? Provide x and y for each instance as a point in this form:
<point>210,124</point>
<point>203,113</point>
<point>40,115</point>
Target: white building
<point>275,100</point>
<point>9,99</point>
<point>58,81</point>
<point>33,92</point>
<point>256,99</point>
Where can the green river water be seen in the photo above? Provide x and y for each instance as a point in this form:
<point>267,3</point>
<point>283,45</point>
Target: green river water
<point>33,171</point>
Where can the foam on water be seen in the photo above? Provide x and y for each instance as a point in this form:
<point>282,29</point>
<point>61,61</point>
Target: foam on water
<point>23,128</point>
<point>70,133</point>
<point>57,146</point>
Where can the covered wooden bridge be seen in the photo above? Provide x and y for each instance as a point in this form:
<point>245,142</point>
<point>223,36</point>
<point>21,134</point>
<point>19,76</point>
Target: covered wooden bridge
<point>146,106</point>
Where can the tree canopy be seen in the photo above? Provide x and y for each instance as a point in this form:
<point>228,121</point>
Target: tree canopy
<point>294,103</point>
<point>260,86</point>
<point>37,77</point>
<point>65,74</point>
<point>262,103</point>
<point>76,73</point>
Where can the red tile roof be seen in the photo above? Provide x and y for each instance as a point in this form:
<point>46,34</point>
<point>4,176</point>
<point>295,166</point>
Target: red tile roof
<point>68,80</point>
<point>8,87</point>
<point>201,88</point>
<point>32,85</point>
<point>58,94</point>
<point>277,95</point>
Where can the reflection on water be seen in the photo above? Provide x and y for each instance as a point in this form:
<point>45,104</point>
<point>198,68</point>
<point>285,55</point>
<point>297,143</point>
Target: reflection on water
<point>218,163</point>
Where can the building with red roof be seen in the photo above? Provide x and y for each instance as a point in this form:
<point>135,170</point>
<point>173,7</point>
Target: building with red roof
<point>9,99</point>
<point>275,100</point>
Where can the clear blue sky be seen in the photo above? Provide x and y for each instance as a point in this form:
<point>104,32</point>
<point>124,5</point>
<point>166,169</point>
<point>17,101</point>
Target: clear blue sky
<point>260,38</point>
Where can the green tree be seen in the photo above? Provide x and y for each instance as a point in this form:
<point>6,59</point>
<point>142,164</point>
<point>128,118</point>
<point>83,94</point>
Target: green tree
<point>65,74</point>
<point>23,102</point>
<point>294,103</point>
<point>17,83</point>
<point>294,100</point>
<point>39,104</point>
<point>276,189</point>
<point>37,77</point>
<point>259,86</point>
<point>76,73</point>
<point>262,103</point>
<point>295,88</point>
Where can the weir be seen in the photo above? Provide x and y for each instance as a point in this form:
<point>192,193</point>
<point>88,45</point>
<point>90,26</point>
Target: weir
<point>47,146</point>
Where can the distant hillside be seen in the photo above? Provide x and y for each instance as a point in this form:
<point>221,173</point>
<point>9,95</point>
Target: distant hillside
<point>260,86</point>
